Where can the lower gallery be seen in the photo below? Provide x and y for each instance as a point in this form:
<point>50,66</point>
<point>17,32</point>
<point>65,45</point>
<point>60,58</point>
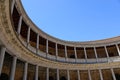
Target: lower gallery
<point>28,53</point>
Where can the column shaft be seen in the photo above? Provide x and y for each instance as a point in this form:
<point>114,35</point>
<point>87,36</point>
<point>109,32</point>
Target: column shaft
<point>96,54</point>
<point>47,48</point>
<point>75,53</point>
<point>89,75</point>
<point>19,25</point>
<point>37,44</point>
<point>101,76</point>
<point>56,49</point>
<point>106,52</point>
<point>66,55</point>
<point>25,71</point>
<point>118,49</point>
<point>78,72</point>
<point>58,74</point>
<point>85,54</point>
<point>37,41</point>
<point>28,36</point>
<point>68,75</point>
<point>12,5</point>
<point>13,68</point>
<point>47,74</point>
<point>113,74</point>
<point>2,55</point>
<point>36,72</point>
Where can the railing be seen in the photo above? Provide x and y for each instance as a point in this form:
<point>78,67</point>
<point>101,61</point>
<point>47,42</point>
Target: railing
<point>69,60</point>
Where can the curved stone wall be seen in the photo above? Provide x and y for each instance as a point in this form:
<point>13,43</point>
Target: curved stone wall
<point>28,53</point>
<point>55,49</point>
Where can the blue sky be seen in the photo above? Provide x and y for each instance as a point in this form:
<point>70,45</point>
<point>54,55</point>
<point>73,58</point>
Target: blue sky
<point>76,20</point>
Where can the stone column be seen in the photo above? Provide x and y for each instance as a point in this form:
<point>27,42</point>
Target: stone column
<point>85,54</point>
<point>47,74</point>
<point>37,41</point>
<point>66,55</point>
<point>101,76</point>
<point>56,49</point>
<point>25,71</point>
<point>37,46</point>
<point>118,49</point>
<point>19,25</point>
<point>89,75</point>
<point>13,68</point>
<point>113,74</point>
<point>28,36</point>
<point>58,74</point>
<point>96,54</point>
<point>36,72</point>
<point>47,48</point>
<point>12,5</point>
<point>75,53</point>
<point>68,75</point>
<point>78,72</point>
<point>2,55</point>
<point>107,53</point>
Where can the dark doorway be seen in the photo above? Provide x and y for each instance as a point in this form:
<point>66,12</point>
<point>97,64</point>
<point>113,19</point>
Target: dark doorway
<point>51,78</point>
<point>63,78</point>
<point>4,76</point>
<point>117,76</point>
<point>72,56</point>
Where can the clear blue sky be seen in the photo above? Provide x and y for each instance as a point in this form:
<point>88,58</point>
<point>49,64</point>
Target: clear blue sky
<point>76,20</point>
